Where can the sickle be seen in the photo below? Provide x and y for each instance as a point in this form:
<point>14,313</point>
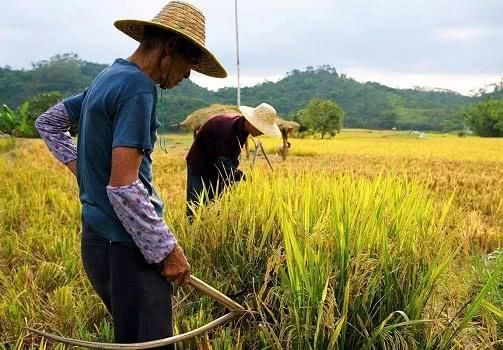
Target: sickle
<point>236,310</point>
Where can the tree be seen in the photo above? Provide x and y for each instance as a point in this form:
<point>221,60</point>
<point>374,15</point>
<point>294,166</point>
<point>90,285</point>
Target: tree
<point>21,123</point>
<point>8,119</point>
<point>323,116</point>
<point>23,127</point>
<point>42,102</point>
<point>486,118</point>
<point>16,123</point>
<point>387,119</point>
<point>66,73</point>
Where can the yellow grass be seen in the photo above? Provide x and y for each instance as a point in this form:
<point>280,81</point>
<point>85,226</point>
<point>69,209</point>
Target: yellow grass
<point>397,145</point>
<point>410,180</point>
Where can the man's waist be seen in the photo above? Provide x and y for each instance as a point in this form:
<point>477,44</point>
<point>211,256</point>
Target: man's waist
<point>106,224</point>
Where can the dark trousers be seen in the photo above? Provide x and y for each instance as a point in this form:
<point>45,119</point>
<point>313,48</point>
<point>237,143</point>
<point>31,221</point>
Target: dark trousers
<point>134,292</point>
<point>196,186</point>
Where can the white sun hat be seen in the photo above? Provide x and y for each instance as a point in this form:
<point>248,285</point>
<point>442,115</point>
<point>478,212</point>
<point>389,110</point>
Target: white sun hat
<point>263,117</point>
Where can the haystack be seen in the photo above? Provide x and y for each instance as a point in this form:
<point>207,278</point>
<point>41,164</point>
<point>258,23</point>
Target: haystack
<point>196,119</point>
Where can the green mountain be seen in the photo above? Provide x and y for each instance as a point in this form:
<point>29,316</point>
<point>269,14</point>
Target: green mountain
<point>67,74</point>
<point>366,105</point>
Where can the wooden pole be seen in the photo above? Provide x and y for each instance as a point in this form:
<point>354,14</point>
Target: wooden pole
<point>284,150</point>
<point>237,52</point>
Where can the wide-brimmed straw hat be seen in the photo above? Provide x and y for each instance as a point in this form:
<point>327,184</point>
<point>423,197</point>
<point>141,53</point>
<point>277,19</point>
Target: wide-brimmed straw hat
<point>183,19</point>
<point>263,118</point>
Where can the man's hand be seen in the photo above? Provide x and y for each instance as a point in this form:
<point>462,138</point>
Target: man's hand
<point>175,267</point>
<point>72,166</point>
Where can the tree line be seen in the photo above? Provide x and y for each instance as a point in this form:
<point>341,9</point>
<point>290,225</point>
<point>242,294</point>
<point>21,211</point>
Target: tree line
<point>364,105</point>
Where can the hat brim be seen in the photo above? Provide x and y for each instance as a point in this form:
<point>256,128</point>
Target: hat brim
<point>208,63</point>
<point>265,128</point>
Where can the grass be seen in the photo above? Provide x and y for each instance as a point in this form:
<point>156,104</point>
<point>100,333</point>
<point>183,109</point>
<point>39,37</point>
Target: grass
<point>7,144</point>
<point>360,249</point>
<point>397,145</point>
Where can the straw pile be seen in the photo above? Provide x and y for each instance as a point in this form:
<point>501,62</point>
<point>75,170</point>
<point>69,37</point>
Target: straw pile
<point>196,119</point>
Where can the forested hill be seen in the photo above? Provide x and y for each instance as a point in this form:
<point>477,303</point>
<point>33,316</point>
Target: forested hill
<point>366,105</point>
<point>66,74</point>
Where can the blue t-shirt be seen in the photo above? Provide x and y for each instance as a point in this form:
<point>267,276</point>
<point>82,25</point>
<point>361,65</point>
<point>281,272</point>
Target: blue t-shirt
<point>118,109</point>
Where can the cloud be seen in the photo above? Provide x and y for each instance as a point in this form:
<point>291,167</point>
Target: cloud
<point>231,80</point>
<point>463,34</point>
<point>466,84</point>
<point>416,37</point>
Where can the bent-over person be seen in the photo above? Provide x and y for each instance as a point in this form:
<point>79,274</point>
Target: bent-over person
<point>213,159</point>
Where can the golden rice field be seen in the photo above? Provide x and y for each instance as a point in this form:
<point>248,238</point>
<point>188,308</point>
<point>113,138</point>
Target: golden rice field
<point>370,240</point>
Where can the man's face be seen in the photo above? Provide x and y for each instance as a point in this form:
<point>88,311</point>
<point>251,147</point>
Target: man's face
<point>253,131</point>
<point>176,66</point>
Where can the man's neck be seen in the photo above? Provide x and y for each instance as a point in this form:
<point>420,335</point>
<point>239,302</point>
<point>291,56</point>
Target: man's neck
<point>144,61</point>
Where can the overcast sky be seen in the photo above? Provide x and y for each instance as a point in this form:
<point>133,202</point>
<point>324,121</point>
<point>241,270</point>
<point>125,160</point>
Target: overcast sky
<point>453,44</point>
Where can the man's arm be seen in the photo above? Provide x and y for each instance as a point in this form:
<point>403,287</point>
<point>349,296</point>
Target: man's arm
<point>54,128</point>
<point>131,202</point>
<point>228,171</point>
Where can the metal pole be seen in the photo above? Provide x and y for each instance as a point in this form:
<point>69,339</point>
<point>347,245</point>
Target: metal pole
<point>237,51</point>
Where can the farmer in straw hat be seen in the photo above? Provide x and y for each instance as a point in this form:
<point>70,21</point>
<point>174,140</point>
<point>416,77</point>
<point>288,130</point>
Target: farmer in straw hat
<point>212,161</point>
<point>128,252</point>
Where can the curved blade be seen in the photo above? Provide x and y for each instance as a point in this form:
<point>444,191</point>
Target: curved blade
<point>236,310</point>
<point>223,299</point>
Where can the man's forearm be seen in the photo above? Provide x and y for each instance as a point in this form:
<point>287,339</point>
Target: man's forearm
<point>149,232</point>
<point>228,171</point>
<point>53,126</point>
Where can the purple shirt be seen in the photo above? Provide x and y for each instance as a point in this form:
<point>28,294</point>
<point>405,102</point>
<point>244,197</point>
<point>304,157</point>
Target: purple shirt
<point>221,136</point>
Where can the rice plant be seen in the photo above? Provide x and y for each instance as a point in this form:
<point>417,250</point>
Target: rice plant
<point>350,255</point>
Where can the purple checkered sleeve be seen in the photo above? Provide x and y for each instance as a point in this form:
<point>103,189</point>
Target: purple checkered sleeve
<point>132,205</point>
<point>53,126</point>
